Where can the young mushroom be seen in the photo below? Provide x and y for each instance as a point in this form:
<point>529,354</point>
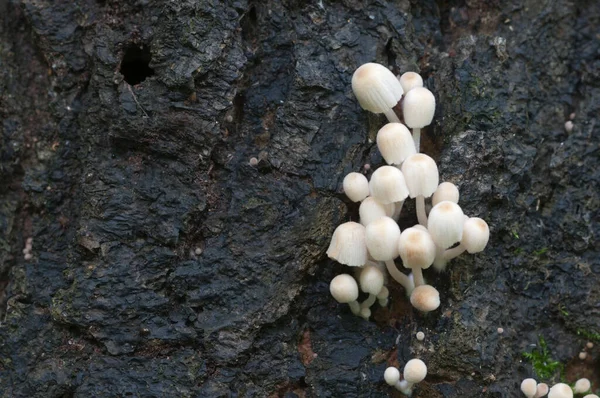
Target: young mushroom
<point>529,387</point>
<point>445,224</point>
<point>417,251</point>
<point>418,108</point>
<point>541,390</point>
<point>348,245</point>
<point>422,178</point>
<point>344,290</point>
<point>415,372</point>
<point>356,187</point>
<point>425,298</point>
<point>445,191</point>
<point>371,209</point>
<point>410,80</point>
<point>476,234</point>
<point>392,377</point>
<point>377,90</point>
<point>560,390</point>
<point>387,185</point>
<point>395,143</point>
<point>582,386</point>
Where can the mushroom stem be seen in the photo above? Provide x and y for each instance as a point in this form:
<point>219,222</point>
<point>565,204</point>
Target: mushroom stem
<point>382,297</point>
<point>454,252</point>
<point>418,276</point>
<point>417,138</point>
<point>439,264</point>
<point>354,307</point>
<point>397,210</point>
<point>399,276</point>
<point>391,116</point>
<point>404,387</point>
<point>369,301</point>
<point>421,215</point>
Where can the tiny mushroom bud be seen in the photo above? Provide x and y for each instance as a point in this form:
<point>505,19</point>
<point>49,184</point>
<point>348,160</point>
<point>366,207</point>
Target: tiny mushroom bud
<point>410,80</point>
<point>371,280</point>
<point>476,234</point>
<point>344,289</point>
<point>422,178</point>
<point>418,109</point>
<point>356,187</point>
<point>348,244</point>
<point>387,185</point>
<point>415,371</point>
<point>568,126</point>
<point>582,355</point>
<point>541,390</point>
<point>377,89</point>
<point>529,387</point>
<point>445,224</point>
<point>395,143</point>
<point>560,390</point>
<point>420,336</point>
<point>582,386</point>
<point>391,376</point>
<point>425,298</point>
<point>445,191</point>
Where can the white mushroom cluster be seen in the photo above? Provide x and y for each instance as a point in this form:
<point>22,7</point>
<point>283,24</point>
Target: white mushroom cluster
<point>532,389</point>
<point>376,241</point>
<point>415,372</point>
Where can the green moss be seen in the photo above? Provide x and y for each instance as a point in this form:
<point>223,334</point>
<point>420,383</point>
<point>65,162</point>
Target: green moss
<point>543,366</point>
<point>592,336</point>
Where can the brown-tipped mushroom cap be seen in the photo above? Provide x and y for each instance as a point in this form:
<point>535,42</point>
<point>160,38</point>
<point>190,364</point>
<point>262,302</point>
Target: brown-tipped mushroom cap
<point>418,107</point>
<point>421,175</point>
<point>476,234</point>
<point>445,224</point>
<point>387,185</point>
<point>348,245</point>
<point>376,88</point>
<point>425,298</point>
<point>416,248</point>
<point>445,191</point>
<point>356,187</point>
<point>395,143</point>
<point>344,288</point>
<point>410,80</point>
<point>415,371</point>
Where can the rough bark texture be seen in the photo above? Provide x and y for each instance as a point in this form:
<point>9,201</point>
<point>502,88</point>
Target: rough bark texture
<point>164,265</point>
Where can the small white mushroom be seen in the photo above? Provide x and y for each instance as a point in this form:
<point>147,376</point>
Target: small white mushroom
<point>377,89</point>
<point>418,108</point>
<point>541,390</point>
<point>371,209</point>
<point>344,290</point>
<point>371,280</point>
<point>417,251</point>
<point>425,298</point>
<point>445,224</point>
<point>560,390</point>
<point>410,80</point>
<point>420,336</point>
<point>529,387</point>
<point>415,372</point>
<point>476,234</point>
<point>591,396</point>
<point>395,143</point>
<point>388,185</point>
<point>356,187</point>
<point>422,178</point>
<point>392,376</point>
<point>582,386</point>
<point>348,245</point>
<point>445,191</point>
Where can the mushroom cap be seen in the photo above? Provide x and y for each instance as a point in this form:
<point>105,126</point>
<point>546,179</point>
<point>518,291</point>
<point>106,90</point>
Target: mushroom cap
<point>425,298</point>
<point>582,385</point>
<point>445,224</point>
<point>445,191</point>
<point>415,371</point>
<point>529,387</point>
<point>391,376</point>
<point>356,187</point>
<point>416,248</point>
<point>348,244</point>
<point>591,396</point>
<point>420,336</point>
<point>344,288</point>
<point>560,390</point>
<point>410,80</point>
<point>395,143</point>
<point>418,107</point>
<point>421,175</point>
<point>387,185</point>
<point>371,209</point>
<point>476,235</point>
<point>376,88</point>
<point>382,239</point>
<point>542,389</point>
<point>371,280</point>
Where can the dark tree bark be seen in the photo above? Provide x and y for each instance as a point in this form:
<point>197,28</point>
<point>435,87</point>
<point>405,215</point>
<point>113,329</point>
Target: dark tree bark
<point>164,265</point>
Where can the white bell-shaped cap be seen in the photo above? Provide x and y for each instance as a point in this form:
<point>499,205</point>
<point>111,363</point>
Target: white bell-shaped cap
<point>421,175</point>
<point>371,280</point>
<point>425,298</point>
<point>418,107</point>
<point>415,371</point>
<point>410,80</point>
<point>371,209</point>
<point>416,248</point>
<point>382,239</point>
<point>356,187</point>
<point>387,185</point>
<point>582,385</point>
<point>344,288</point>
<point>445,191</point>
<point>445,224</point>
<point>529,387</point>
<point>560,390</point>
<point>395,143</point>
<point>348,245</point>
<point>476,234</point>
<point>542,389</point>
<point>376,88</point>
<point>391,376</point>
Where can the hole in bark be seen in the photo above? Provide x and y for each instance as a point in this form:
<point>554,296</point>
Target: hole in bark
<point>135,66</point>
